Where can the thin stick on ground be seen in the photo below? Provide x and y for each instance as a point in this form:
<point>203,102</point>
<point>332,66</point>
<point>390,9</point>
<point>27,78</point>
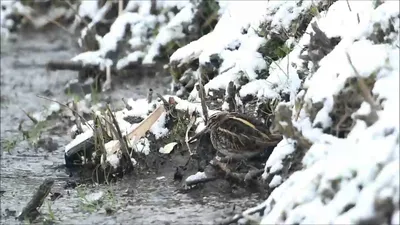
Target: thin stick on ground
<point>29,116</point>
<point>191,123</point>
<point>64,105</point>
<point>30,211</point>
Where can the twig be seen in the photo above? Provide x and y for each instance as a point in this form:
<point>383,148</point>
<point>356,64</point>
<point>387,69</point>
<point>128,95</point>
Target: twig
<point>364,89</point>
<point>121,139</point>
<point>348,5</point>
<point>191,123</point>
<point>201,91</point>
<point>65,65</point>
<point>358,16</point>
<point>29,116</point>
<point>31,209</point>
<point>127,106</point>
<point>87,123</point>
<point>99,141</point>
<point>120,7</point>
<point>236,177</point>
<point>346,115</point>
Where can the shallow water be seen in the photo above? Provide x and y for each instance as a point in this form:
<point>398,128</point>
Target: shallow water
<point>144,200</point>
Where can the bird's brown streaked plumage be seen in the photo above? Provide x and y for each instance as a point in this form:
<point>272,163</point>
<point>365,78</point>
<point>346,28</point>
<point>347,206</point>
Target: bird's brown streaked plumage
<point>238,135</point>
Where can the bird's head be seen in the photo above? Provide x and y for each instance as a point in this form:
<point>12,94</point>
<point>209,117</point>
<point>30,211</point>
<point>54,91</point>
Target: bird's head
<point>213,121</point>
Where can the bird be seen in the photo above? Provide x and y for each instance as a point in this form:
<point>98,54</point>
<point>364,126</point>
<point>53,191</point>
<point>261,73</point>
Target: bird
<point>237,135</point>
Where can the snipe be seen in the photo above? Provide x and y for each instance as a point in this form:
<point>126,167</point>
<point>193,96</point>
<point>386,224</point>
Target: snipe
<point>238,136</point>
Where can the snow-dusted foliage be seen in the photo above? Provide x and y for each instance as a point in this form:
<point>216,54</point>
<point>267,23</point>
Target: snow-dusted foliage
<point>138,34</point>
<point>342,126</point>
<point>9,8</point>
<point>234,50</point>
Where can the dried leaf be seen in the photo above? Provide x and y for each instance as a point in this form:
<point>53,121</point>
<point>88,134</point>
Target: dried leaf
<point>168,148</point>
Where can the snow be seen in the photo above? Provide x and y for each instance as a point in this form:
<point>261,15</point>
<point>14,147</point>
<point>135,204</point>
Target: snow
<point>79,139</point>
<point>85,126</point>
<point>281,151</point>
<point>8,8</point>
<point>142,146</point>
<point>143,44</point>
<point>172,31</point>
<point>158,128</point>
<point>245,61</point>
<point>94,197</point>
<point>276,180</point>
<point>196,177</point>
<point>113,160</point>
<point>132,57</point>
<point>88,9</point>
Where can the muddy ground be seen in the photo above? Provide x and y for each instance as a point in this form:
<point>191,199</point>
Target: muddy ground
<point>138,199</point>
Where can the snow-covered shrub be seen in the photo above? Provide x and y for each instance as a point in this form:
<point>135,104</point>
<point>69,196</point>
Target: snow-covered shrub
<point>338,161</point>
<point>143,32</point>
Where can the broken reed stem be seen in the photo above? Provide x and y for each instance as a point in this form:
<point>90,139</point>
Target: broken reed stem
<point>202,93</point>
<point>78,121</point>
<point>230,97</point>
<point>301,105</point>
<point>364,89</point>
<point>150,96</point>
<point>99,139</point>
<point>30,211</point>
<point>190,125</point>
<point>127,106</point>
<point>348,5</point>
<point>107,84</point>
<point>120,7</point>
<point>99,136</point>
<point>29,116</point>
<point>122,140</point>
<point>73,111</point>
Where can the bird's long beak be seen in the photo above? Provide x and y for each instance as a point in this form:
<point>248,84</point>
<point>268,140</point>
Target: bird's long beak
<point>196,136</point>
